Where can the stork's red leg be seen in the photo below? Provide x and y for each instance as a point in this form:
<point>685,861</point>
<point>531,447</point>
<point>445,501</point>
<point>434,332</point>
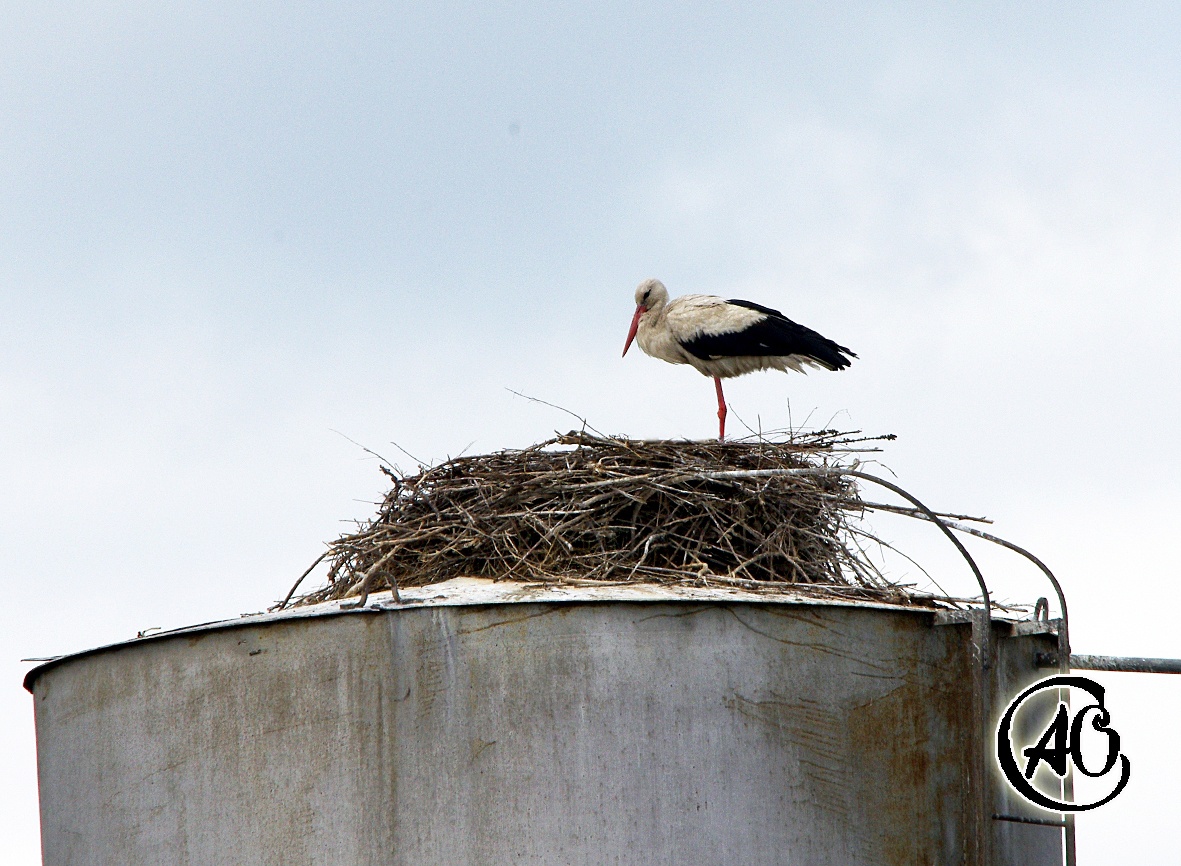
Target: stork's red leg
<point>721,410</point>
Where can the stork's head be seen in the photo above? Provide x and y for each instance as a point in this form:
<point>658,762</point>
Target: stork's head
<point>650,295</point>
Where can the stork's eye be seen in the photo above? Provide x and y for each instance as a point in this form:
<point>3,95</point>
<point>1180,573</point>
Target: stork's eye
<point>646,294</point>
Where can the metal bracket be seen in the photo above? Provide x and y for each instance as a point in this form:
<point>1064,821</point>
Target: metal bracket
<point>1036,626</point>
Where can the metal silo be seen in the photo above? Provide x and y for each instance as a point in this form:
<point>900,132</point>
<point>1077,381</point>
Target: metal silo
<point>480,722</point>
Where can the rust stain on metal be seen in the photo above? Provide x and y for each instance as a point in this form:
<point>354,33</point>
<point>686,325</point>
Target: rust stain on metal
<point>819,732</point>
<point>888,739</point>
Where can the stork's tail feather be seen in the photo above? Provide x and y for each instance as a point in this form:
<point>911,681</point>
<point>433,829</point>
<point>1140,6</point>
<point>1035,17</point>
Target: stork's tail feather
<point>830,355</point>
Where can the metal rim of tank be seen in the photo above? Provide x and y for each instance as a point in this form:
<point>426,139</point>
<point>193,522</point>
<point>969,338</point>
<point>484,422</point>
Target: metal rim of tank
<point>465,591</point>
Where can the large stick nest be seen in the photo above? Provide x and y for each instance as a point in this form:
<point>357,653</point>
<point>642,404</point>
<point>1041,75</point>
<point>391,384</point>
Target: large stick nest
<point>582,508</point>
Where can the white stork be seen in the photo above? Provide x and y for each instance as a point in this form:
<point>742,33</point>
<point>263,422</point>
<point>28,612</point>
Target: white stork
<point>722,338</point>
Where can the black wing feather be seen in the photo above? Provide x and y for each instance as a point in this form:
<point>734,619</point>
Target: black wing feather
<point>774,335</point>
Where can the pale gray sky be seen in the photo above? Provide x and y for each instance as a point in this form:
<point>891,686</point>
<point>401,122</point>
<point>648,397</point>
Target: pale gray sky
<point>227,231</point>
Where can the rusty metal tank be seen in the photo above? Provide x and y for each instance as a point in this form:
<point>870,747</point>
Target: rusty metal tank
<point>482,722</point>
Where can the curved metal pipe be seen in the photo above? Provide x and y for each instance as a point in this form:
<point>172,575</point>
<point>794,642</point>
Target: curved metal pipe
<point>1064,634</point>
<point>940,522</point>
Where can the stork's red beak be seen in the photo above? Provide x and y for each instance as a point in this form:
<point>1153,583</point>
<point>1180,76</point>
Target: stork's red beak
<point>631,334</point>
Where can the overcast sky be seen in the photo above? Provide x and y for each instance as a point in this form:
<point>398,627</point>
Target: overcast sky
<point>230,234</point>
